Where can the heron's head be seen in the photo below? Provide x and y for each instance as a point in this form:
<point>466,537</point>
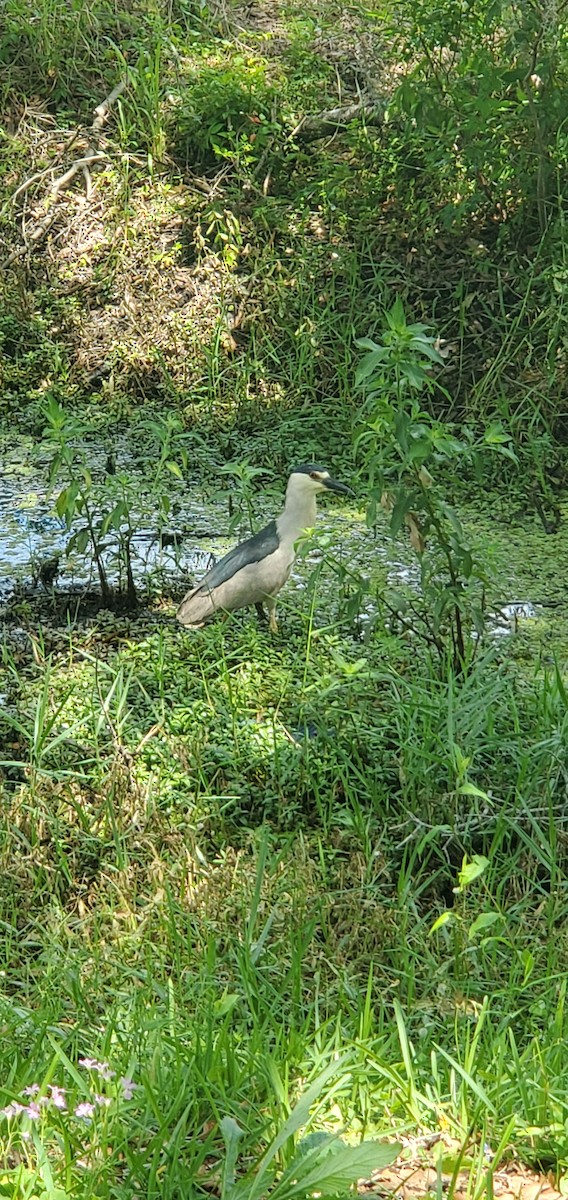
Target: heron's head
<point>310,478</point>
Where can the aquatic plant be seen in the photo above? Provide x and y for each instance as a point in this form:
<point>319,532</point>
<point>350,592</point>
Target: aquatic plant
<point>410,457</point>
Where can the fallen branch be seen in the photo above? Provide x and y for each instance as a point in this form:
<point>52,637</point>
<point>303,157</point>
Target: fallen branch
<point>102,111</point>
<point>23,187</point>
<point>325,123</point>
<point>39,232</point>
<point>80,165</point>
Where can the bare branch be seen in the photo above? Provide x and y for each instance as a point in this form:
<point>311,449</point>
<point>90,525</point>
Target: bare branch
<point>37,233</point>
<point>102,111</point>
<point>28,183</point>
<point>325,123</point>
<point>78,165</point>
<point>83,164</point>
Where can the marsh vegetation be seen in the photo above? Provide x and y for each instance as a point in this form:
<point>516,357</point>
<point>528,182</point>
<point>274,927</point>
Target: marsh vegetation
<point>260,894</point>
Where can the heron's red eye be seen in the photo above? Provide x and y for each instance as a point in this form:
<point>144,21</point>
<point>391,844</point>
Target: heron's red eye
<point>314,475</point>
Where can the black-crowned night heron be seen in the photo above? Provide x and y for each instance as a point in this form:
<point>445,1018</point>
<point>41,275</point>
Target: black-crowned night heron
<point>255,570</point>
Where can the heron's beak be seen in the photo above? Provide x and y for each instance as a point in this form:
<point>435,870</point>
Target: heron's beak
<point>335,486</point>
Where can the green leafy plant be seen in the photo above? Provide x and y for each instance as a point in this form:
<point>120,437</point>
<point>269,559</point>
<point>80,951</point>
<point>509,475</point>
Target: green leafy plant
<point>485,96</point>
<point>471,869</point>
<point>49,1122</point>
<point>101,510</point>
<point>141,114</point>
<point>241,510</point>
<point>42,734</point>
<point>320,1163</point>
<point>221,229</point>
<point>226,112</point>
<point>410,456</point>
<point>64,434</point>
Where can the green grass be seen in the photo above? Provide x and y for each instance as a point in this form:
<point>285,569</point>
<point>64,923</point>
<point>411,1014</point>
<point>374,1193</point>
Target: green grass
<point>217,905</point>
<point>237,870</point>
<point>321,237</point>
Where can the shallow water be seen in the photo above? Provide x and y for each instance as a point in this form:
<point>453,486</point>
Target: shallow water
<point>31,532</point>
<point>530,588</point>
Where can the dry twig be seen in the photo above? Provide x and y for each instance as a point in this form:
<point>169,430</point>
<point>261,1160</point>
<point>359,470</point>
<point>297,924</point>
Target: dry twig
<point>91,155</point>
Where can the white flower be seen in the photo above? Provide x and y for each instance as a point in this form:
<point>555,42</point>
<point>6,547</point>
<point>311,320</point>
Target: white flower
<point>102,1068</point>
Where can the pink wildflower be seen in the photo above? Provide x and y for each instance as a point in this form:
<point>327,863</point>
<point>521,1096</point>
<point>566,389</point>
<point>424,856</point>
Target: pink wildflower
<point>32,1111</point>
<point>102,1068</point>
<point>32,1090</point>
<point>85,1109</point>
<point>58,1098</point>
<point>102,1101</point>
<point>12,1109</point>
<point>128,1087</point>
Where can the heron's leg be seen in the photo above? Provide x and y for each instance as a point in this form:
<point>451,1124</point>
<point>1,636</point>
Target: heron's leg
<point>271,606</point>
<point>260,610</point>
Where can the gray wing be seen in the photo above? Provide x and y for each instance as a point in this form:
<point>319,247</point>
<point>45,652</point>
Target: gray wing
<point>265,542</point>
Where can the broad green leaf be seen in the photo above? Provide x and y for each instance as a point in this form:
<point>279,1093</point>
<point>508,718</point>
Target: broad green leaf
<point>56,463</point>
<point>415,375</point>
<point>66,503</point>
<point>79,541</point>
<point>469,789</point>
<point>369,364</point>
<point>442,920</point>
<point>395,317</point>
<point>174,468</point>
<point>367,344</point>
<point>317,1140</point>
<point>241,470</point>
<point>449,446</point>
<point>232,1134</point>
<point>118,514</point>
<point>495,435</point>
<point>470,870</point>
<point>227,1002</point>
<point>424,345</point>
<point>452,516</point>
<point>114,518</point>
<point>298,1117</point>
<point>334,1168</point>
<point>402,429</point>
<point>419,450</point>
<point>461,761</point>
<point>507,452</point>
<point>483,921</point>
<point>402,506</point>
<point>62,502</point>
